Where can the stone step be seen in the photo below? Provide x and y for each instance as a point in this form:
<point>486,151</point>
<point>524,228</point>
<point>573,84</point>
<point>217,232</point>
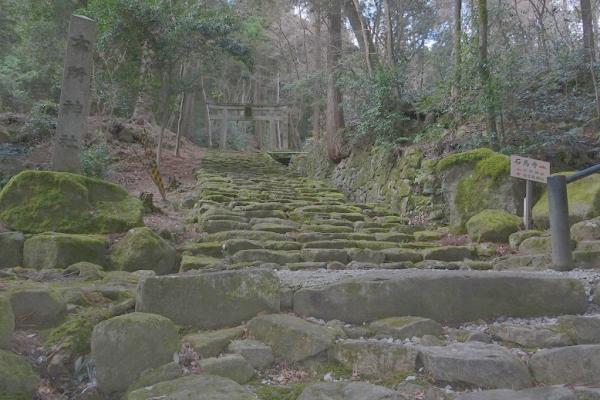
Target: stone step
<point>449,296</point>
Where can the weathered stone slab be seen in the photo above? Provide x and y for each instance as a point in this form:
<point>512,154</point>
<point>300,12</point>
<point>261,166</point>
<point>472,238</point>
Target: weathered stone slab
<point>258,354</point>
<point>530,336</point>
<point>37,307</point>
<point>75,94</point>
<point>450,296</point>
<point>57,250</point>
<point>475,365</point>
<point>232,366</point>
<point>406,327</point>
<point>213,343</point>
<point>196,387</point>
<point>567,365</point>
<point>375,358</point>
<point>210,300</point>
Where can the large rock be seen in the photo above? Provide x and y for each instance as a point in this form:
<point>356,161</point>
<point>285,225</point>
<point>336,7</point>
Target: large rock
<point>406,327</point>
<point>475,181</point>
<point>567,365</point>
<point>348,391</point>
<point>58,250</point>
<point>475,365</point>
<point>584,202</point>
<point>123,347</point>
<point>213,343</point>
<point>581,330</point>
<point>7,322</point>
<point>11,248</point>
<point>542,393</point>
<point>232,366</point>
<point>492,226</point>
<point>37,307</point>
<point>41,201</point>
<point>142,249</point>
<point>450,296</point>
<point>291,338</point>
<point>194,387</point>
<point>17,378</point>
<point>375,358</point>
<point>210,300</point>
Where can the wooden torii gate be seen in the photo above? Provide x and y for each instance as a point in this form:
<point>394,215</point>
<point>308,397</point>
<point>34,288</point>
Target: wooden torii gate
<point>277,117</point>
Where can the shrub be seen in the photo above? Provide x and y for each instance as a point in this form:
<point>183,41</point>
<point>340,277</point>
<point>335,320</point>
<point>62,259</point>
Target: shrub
<point>95,161</point>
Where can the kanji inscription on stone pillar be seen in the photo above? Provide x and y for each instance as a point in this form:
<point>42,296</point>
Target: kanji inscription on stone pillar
<point>75,95</point>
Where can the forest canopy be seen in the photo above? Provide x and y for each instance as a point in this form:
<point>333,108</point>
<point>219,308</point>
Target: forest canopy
<point>511,75</point>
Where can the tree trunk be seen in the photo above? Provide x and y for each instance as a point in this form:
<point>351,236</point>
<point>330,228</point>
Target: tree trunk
<point>208,121</point>
<point>318,59</point>
<point>389,35</point>
<point>589,46</point>
<point>457,56</point>
<point>335,115</point>
<point>141,110</point>
<point>484,68</point>
<point>361,31</point>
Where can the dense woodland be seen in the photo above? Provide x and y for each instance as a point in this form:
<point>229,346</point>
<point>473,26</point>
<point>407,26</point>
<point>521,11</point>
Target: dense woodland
<point>517,76</point>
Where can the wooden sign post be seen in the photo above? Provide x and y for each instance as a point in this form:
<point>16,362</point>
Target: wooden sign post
<point>532,171</point>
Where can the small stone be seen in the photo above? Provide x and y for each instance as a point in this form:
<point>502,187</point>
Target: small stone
<point>11,248</point>
<point>536,245</point>
<point>448,253</point>
<point>478,337</point>
<point>366,255</point>
<point>291,338</point>
<point>325,255</point>
<point>348,391</point>
<point>375,358</point>
<point>530,336</point>
<point>232,366</point>
<point>430,340</point>
<point>269,256</point>
<point>586,230</point>
<point>258,354</point>
<point>582,330</point>
<point>125,346</point>
<point>492,226</point>
<point>37,307</point>
<point>213,343</point>
<point>142,249</point>
<point>515,239</point>
<point>406,327</point>
<point>337,266</point>
<point>85,270</point>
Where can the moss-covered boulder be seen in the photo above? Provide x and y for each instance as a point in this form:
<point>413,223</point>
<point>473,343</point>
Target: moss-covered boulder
<point>41,201</point>
<point>11,248</point>
<point>7,322</point>
<point>125,346</point>
<point>17,378</point>
<point>142,249</point>
<point>475,181</point>
<point>492,226</point>
<point>59,250</point>
<point>586,230</point>
<point>584,202</point>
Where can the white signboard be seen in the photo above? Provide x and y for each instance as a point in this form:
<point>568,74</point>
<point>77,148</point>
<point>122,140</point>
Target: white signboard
<point>530,169</point>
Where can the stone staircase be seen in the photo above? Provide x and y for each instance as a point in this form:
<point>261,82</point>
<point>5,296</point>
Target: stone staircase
<point>252,212</point>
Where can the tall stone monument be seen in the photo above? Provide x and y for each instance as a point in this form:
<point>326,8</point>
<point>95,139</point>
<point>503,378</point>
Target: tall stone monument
<point>75,95</point>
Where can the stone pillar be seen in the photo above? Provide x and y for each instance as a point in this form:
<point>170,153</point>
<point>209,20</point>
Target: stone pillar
<point>272,135</point>
<point>224,126</point>
<point>75,95</point>
<point>285,131</point>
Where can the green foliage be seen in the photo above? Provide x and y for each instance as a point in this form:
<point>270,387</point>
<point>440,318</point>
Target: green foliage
<point>95,161</point>
<point>374,108</point>
<point>74,334</point>
<point>41,121</point>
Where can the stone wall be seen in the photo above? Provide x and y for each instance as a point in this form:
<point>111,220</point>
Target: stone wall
<point>448,190</point>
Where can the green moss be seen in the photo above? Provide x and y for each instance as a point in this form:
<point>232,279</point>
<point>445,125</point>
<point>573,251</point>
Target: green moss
<point>74,334</point>
<point>477,191</point>
<point>584,201</point>
<point>41,201</point>
<point>269,392</point>
<point>468,157</point>
<point>492,226</point>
